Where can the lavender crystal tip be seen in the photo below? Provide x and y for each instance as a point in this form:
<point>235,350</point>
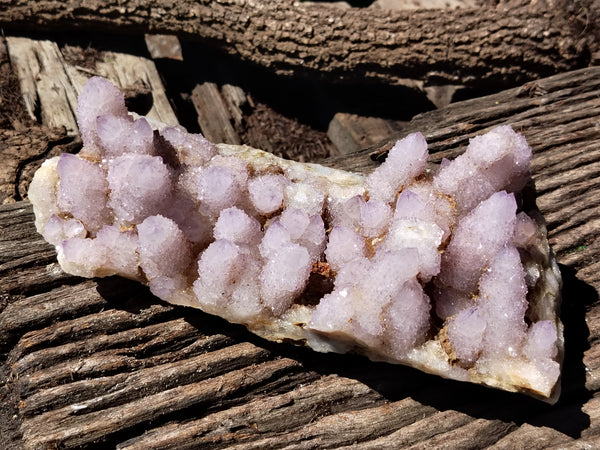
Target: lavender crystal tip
<point>440,270</point>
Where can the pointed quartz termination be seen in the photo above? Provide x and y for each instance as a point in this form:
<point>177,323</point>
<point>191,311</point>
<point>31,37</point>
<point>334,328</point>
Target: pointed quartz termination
<point>438,270</point>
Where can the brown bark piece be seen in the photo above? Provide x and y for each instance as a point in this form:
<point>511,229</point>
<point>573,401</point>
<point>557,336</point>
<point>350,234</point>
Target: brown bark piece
<point>492,46</point>
<point>22,152</point>
<point>228,114</point>
<point>283,136</point>
<point>424,4</point>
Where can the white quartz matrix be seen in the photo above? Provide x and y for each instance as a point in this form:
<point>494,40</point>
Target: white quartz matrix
<point>438,269</point>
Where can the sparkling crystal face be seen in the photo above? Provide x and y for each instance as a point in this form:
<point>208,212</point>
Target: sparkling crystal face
<point>439,271</point>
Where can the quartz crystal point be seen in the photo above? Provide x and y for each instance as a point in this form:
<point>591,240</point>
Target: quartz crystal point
<point>440,270</point>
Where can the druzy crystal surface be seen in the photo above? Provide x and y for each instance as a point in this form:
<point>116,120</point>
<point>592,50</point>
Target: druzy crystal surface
<point>440,270</point>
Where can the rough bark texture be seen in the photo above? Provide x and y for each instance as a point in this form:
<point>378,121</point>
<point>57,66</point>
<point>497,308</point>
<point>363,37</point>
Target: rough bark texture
<point>498,45</point>
<point>103,364</point>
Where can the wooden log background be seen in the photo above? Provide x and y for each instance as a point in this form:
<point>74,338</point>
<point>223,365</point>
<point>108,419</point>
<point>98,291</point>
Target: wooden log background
<point>513,42</point>
<point>103,364</point>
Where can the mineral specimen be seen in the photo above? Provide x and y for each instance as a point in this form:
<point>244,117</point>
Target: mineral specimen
<point>440,270</point>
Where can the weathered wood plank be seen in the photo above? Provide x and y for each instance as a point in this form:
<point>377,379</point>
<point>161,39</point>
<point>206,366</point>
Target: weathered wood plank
<point>478,433</point>
<point>226,113</point>
<point>345,428</point>
<point>350,132</point>
<point>541,110</point>
<point>51,85</point>
<point>126,70</point>
<point>163,46</point>
<point>420,431</point>
<point>63,302</point>
<point>101,361</point>
<point>214,117</point>
<point>55,397</point>
<point>579,444</point>
<point>236,100</point>
<point>592,408</point>
<point>268,416</point>
<point>44,82</point>
<point>529,437</point>
<point>69,427</point>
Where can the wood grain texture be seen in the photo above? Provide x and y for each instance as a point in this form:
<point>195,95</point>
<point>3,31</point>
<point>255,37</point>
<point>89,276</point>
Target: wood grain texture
<point>351,132</point>
<point>50,85</point>
<point>128,70</point>
<point>214,116</point>
<point>472,46</point>
<point>45,84</point>
<point>102,363</point>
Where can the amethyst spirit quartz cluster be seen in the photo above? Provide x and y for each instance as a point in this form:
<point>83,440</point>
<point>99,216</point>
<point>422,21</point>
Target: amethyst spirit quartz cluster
<point>439,270</point>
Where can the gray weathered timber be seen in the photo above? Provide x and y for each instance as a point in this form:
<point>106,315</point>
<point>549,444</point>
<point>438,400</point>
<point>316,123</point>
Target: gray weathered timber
<point>51,85</point>
<point>44,81</point>
<point>102,362</point>
<point>214,116</point>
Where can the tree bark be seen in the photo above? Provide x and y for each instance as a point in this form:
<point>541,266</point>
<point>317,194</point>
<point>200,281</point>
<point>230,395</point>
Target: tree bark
<point>501,45</point>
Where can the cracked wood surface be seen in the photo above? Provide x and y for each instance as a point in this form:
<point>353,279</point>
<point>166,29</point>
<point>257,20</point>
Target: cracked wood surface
<point>50,85</point>
<point>508,43</point>
<point>102,363</point>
